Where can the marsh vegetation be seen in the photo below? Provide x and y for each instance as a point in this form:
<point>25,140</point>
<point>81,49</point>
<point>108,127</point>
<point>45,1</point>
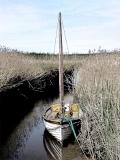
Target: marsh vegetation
<point>96,88</point>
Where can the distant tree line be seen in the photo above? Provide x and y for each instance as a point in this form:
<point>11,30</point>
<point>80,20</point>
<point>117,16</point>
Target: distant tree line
<point>101,50</point>
<point>4,49</point>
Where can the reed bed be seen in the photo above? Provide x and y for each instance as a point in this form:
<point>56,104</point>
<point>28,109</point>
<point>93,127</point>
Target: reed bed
<point>23,66</point>
<point>97,88</point>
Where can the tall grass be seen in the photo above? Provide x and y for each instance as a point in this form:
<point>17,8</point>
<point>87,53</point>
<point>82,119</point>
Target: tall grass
<point>97,87</point>
<point>26,66</point>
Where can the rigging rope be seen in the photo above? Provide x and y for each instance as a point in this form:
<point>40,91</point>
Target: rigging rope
<point>55,38</point>
<point>64,35</point>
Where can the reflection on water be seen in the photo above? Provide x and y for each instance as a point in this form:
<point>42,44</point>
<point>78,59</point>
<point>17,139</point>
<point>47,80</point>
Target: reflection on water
<point>30,141</point>
<point>52,146</point>
<point>26,141</point>
<point>57,151</point>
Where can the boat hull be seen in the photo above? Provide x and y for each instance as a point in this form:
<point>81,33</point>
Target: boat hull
<point>61,131</point>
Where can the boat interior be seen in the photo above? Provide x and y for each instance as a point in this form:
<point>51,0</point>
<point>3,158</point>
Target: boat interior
<point>54,112</point>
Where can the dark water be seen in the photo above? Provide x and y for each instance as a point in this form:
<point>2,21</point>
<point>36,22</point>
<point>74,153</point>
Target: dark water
<point>30,141</point>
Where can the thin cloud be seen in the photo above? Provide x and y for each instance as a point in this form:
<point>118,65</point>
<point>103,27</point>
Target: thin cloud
<point>31,25</point>
<point>20,19</point>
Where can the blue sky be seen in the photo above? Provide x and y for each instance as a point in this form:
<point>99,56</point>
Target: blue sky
<point>30,25</point>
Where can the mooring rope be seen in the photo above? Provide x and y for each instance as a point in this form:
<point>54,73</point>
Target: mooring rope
<point>69,120</point>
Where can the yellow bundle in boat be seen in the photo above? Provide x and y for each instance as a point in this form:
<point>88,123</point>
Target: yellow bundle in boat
<point>74,108</point>
<point>56,107</point>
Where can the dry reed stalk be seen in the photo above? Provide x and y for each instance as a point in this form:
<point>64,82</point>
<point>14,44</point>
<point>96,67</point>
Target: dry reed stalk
<point>97,86</point>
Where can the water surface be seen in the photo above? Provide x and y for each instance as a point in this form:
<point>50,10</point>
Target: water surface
<point>30,141</point>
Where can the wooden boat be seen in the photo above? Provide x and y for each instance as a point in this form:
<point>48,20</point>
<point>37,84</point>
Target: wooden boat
<point>59,127</point>
<point>61,120</point>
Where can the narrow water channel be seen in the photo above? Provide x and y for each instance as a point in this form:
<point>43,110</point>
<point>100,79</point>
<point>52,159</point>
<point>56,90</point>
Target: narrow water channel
<point>30,140</point>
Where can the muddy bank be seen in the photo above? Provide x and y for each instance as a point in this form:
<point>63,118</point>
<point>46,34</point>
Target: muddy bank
<point>17,100</point>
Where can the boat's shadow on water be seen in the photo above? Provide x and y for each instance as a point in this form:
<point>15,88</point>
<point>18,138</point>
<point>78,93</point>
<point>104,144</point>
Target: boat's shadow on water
<point>54,148</point>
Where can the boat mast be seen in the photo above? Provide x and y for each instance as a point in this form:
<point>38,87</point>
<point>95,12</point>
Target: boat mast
<point>61,83</point>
